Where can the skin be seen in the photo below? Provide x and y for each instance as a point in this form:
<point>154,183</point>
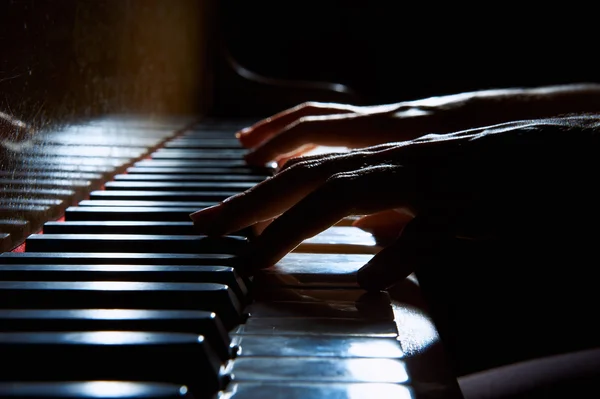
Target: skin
<point>295,131</point>
<point>474,183</point>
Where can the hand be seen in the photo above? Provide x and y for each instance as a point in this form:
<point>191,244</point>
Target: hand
<point>475,183</point>
<point>298,130</point>
<point>295,131</point>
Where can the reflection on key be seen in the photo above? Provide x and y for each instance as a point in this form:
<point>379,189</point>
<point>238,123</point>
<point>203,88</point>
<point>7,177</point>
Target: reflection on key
<point>312,390</point>
<point>340,239</point>
<point>150,195</point>
<point>319,370</point>
<point>198,322</point>
<point>146,273</point>
<point>93,390</point>
<point>211,297</point>
<point>318,346</point>
<point>134,356</point>
<point>134,243</point>
<point>95,258</point>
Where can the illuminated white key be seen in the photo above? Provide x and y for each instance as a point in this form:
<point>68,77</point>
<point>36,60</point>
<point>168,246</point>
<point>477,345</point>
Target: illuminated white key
<point>341,239</point>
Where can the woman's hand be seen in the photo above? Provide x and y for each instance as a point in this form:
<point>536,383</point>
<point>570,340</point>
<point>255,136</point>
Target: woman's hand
<point>475,183</point>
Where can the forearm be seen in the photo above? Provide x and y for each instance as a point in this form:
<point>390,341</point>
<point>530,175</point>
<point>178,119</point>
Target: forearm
<point>489,107</point>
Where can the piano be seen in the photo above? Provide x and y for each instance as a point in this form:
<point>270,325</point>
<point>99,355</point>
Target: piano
<point>106,291</point>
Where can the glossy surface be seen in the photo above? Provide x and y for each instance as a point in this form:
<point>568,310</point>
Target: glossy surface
<point>318,370</point>
<point>202,323</point>
<point>216,298</point>
<point>146,258</point>
<point>340,240</point>
<point>93,390</point>
<point>142,194</point>
<point>133,243</point>
<point>150,356</point>
<point>294,390</point>
<point>314,270</point>
<point>123,272</point>
<point>318,346</point>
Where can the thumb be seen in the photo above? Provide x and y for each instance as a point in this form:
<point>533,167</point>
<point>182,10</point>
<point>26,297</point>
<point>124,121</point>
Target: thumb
<point>416,245</point>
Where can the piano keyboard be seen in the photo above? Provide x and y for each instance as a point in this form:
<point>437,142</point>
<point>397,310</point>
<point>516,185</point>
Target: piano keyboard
<point>118,297</point>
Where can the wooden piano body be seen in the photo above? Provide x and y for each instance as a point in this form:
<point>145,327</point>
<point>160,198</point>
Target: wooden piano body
<point>134,106</point>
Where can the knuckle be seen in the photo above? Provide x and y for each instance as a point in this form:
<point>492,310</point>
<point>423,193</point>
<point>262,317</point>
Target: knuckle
<point>297,170</point>
<point>308,105</point>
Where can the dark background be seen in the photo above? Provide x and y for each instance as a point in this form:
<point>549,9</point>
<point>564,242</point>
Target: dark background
<point>68,59</point>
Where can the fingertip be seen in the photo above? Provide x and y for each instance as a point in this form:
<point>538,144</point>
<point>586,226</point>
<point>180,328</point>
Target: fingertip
<point>205,220</point>
<point>369,278</point>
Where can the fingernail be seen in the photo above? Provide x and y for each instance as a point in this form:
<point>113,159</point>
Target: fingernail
<point>241,133</point>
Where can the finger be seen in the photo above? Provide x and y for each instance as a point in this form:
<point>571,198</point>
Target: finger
<point>415,246</point>
<point>384,226</point>
<point>264,129</point>
<point>367,191</point>
<point>346,130</point>
<point>384,218</point>
<point>282,160</point>
<point>273,196</point>
<point>259,227</point>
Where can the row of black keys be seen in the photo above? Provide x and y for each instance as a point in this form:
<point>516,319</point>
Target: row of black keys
<point>75,312</point>
<point>205,308</point>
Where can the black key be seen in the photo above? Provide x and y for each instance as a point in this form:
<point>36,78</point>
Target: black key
<point>54,202</point>
<point>50,175</point>
<point>178,186</point>
<point>103,139</point>
<point>173,163</point>
<point>146,195</point>
<point>97,258</point>
<point>80,187</point>
<point>157,204</point>
<point>195,171</point>
<point>120,227</point>
<point>99,213</point>
<point>103,170</point>
<point>35,214</point>
<point>112,355</point>
<point>84,151</point>
<point>67,195</point>
<point>40,160</point>
<point>17,227</point>
<point>134,243</point>
<point>211,297</point>
<point>217,144</point>
<point>6,242</point>
<point>128,227</point>
<point>185,321</point>
<point>143,273</point>
<point>187,178</point>
<point>93,390</point>
<point>198,154</point>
